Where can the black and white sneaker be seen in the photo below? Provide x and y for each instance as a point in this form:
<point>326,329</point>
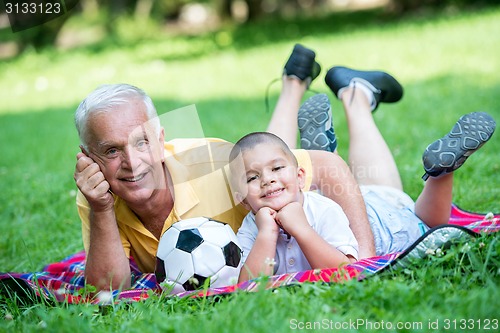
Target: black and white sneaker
<point>385,88</point>
<point>302,65</point>
<point>315,124</point>
<point>447,154</point>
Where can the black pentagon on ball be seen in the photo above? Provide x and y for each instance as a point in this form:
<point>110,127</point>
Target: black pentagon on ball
<point>189,240</point>
<point>232,254</point>
<point>195,282</point>
<point>160,271</point>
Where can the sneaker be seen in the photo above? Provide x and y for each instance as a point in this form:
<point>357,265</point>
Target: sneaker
<point>385,88</point>
<point>315,124</point>
<point>301,64</point>
<point>447,154</point>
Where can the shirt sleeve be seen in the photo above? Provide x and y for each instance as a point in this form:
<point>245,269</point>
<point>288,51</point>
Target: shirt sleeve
<point>247,234</point>
<point>84,214</point>
<point>304,161</point>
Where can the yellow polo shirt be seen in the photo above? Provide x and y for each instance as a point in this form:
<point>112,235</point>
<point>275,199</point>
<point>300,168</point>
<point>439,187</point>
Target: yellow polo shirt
<point>200,174</point>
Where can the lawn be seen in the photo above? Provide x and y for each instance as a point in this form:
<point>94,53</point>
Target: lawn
<point>448,64</point>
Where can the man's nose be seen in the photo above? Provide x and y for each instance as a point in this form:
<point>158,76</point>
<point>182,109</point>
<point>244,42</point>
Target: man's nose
<point>130,158</point>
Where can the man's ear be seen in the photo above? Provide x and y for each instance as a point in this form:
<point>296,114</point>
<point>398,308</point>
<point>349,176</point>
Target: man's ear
<point>301,176</point>
<point>162,144</point>
<point>162,135</point>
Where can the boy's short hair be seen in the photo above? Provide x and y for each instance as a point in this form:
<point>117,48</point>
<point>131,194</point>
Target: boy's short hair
<point>253,139</point>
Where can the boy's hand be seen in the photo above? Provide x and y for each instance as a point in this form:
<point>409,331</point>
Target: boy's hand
<point>265,221</point>
<point>91,182</point>
<point>292,218</point>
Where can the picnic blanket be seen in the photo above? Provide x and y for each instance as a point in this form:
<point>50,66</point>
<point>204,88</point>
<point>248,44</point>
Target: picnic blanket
<point>64,281</point>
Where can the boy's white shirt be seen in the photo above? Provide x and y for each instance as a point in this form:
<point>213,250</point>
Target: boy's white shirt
<point>324,215</point>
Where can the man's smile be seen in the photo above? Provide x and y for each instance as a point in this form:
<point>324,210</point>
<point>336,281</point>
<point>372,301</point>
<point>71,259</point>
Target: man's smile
<point>134,179</point>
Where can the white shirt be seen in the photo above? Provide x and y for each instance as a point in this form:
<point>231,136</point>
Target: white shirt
<point>325,216</point>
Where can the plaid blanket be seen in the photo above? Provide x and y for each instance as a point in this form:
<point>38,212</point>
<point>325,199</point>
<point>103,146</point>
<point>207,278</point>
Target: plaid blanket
<point>64,281</point>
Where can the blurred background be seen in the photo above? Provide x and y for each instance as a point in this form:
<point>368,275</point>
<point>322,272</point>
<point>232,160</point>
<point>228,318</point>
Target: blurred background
<point>89,22</point>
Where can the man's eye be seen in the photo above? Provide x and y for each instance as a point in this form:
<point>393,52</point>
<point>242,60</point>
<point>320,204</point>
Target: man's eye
<point>111,152</point>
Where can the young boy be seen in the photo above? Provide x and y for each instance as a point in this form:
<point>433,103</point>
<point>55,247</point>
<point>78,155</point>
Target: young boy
<point>286,230</point>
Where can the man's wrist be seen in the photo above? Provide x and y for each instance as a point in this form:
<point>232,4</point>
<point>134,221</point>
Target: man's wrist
<point>102,216</point>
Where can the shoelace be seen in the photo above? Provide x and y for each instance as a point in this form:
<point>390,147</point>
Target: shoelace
<point>268,88</point>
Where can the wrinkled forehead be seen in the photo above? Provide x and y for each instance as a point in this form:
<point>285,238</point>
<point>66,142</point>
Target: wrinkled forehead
<point>120,122</point>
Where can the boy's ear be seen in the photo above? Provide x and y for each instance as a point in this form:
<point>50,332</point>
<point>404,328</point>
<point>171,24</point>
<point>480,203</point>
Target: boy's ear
<point>240,198</point>
<point>301,176</point>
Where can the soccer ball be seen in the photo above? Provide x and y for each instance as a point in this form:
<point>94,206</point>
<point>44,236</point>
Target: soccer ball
<point>195,250</point>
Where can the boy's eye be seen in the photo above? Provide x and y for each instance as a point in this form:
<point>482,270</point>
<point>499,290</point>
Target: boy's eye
<point>142,144</point>
<point>251,178</point>
<point>278,168</point>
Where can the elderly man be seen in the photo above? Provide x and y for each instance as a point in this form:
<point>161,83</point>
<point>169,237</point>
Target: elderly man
<point>133,185</point>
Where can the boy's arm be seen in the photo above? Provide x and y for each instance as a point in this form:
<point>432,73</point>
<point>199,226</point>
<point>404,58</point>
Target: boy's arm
<point>264,247</point>
<point>333,178</point>
<point>318,252</point>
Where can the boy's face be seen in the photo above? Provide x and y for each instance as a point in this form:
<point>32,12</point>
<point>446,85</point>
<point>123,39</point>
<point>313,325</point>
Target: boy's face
<point>271,178</point>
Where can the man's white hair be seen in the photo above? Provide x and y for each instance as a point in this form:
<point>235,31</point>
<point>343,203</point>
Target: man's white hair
<point>106,97</point>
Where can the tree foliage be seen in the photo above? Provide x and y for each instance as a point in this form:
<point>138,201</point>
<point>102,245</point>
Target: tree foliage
<point>161,11</point>
<point>413,5</point>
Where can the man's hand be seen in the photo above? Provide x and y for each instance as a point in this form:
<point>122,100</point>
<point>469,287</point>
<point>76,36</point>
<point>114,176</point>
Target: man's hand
<point>91,182</point>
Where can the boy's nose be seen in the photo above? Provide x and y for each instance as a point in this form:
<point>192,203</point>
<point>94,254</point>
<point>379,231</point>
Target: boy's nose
<point>267,178</point>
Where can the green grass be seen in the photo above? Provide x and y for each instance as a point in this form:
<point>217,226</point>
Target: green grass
<point>448,64</point>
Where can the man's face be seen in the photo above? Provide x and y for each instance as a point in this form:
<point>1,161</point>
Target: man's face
<point>271,179</point>
<point>127,150</point>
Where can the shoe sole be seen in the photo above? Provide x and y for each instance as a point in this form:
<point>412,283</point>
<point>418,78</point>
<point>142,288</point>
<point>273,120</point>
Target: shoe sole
<point>312,120</point>
<point>468,135</point>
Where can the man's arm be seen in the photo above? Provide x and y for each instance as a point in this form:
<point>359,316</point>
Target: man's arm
<point>107,267</point>
<point>333,178</point>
